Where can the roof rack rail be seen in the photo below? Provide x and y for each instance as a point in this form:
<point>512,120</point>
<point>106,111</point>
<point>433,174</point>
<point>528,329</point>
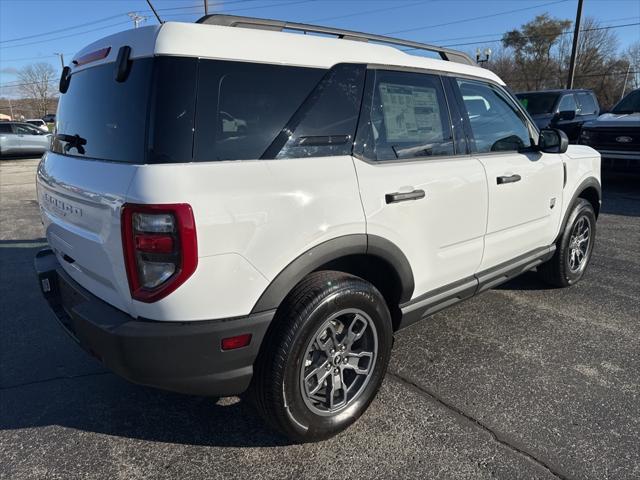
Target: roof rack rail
<point>279,25</point>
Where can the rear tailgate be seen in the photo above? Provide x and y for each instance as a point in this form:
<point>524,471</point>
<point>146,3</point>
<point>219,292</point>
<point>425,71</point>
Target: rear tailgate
<point>80,202</point>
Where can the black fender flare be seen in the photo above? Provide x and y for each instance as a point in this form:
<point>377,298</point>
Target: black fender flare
<point>334,249</point>
<point>586,183</point>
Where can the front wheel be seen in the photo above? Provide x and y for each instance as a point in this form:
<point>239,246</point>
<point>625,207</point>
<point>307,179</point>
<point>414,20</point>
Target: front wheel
<point>573,249</point>
<point>325,357</point>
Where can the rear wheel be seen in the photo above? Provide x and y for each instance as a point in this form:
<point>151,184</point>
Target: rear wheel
<point>573,249</point>
<point>325,357</point>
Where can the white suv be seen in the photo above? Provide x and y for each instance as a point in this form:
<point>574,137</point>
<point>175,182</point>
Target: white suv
<point>233,207</point>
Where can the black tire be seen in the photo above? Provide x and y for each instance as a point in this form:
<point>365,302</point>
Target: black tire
<point>280,370</point>
<point>558,270</point>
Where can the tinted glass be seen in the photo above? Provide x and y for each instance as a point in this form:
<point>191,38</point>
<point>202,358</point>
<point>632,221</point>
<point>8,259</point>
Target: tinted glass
<point>568,102</point>
<point>109,116</point>
<point>538,103</point>
<point>5,128</point>
<point>23,129</point>
<point>408,117</point>
<point>242,107</point>
<point>172,110</point>
<point>629,104</point>
<point>326,123</point>
<point>496,123</point>
<point>587,104</point>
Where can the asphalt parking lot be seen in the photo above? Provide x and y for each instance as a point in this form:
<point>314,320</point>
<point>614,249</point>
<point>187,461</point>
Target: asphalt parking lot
<point>521,382</point>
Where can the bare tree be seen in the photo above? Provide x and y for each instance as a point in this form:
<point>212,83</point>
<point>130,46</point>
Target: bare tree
<point>37,85</point>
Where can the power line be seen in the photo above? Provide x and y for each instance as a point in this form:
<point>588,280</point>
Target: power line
<point>544,35</point>
<point>127,21</point>
<point>475,18</point>
<point>502,33</point>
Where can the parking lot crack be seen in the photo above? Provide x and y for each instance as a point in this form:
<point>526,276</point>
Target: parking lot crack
<point>53,379</point>
<point>497,437</point>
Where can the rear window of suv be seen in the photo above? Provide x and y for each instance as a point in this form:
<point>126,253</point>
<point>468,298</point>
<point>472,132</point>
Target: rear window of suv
<point>179,109</point>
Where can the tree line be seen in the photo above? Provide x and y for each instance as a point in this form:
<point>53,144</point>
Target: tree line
<point>536,57</point>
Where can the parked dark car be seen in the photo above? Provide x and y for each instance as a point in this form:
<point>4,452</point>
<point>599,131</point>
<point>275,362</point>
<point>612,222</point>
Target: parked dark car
<point>567,110</point>
<point>49,118</point>
<point>616,135</point>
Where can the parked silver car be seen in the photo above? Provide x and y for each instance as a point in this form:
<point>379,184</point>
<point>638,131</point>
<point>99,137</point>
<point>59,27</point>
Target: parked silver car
<point>17,138</point>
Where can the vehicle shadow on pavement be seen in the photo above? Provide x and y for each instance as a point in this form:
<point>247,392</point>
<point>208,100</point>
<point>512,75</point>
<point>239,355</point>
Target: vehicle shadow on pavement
<point>47,379</point>
<point>621,194</point>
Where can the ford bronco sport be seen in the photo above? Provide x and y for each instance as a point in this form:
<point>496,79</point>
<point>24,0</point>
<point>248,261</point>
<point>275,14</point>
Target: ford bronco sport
<point>232,206</point>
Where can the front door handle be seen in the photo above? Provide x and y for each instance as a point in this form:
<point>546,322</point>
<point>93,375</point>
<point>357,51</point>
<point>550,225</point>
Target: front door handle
<point>509,179</point>
<point>404,196</point>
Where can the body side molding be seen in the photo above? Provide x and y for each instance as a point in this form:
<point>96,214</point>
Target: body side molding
<point>443,297</point>
<point>331,250</point>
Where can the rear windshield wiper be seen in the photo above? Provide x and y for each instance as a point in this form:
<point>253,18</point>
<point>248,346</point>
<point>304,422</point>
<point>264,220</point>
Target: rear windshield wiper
<point>73,141</point>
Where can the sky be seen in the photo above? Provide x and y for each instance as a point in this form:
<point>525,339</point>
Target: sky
<point>34,31</point>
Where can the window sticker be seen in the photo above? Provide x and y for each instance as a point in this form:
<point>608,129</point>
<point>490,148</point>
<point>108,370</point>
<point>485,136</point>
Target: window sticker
<point>411,113</point>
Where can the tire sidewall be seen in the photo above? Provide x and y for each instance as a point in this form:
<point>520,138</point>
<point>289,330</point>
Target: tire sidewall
<point>306,422</point>
<point>582,209</point>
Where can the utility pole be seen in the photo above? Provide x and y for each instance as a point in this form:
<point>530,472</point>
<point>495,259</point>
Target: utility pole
<point>61,55</point>
<point>206,7</point>
<point>10,108</point>
<point>137,19</point>
<point>574,48</point>
<point>624,85</point>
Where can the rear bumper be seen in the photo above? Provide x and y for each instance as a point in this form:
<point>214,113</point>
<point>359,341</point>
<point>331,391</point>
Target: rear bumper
<point>184,357</point>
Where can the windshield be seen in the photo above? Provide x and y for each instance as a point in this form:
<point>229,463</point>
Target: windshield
<point>629,104</point>
<point>538,103</point>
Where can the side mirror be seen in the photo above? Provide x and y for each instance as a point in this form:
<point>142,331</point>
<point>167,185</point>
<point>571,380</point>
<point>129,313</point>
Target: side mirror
<point>553,140</point>
<point>566,115</point>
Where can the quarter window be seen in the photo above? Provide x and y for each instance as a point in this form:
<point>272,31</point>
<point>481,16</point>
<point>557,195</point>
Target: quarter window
<point>496,122</point>
<point>409,117</point>
<point>242,107</point>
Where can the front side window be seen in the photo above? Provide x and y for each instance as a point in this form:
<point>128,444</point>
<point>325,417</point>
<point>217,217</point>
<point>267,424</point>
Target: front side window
<point>568,103</point>
<point>496,123</point>
<point>26,130</point>
<point>587,104</point>
<point>408,117</point>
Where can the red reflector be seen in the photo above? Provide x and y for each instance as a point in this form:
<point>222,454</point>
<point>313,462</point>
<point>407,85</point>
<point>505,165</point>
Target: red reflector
<point>238,341</point>
<point>154,243</point>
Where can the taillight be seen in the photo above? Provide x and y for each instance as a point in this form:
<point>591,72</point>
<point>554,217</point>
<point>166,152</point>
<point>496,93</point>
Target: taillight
<point>160,248</point>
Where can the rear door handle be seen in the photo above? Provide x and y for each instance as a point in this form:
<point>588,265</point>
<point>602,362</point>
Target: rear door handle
<point>509,179</point>
<point>404,196</point>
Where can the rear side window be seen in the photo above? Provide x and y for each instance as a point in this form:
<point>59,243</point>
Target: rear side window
<point>326,122</point>
<point>408,118</point>
<point>242,107</point>
<point>587,104</point>
<point>5,128</point>
<point>496,122</point>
